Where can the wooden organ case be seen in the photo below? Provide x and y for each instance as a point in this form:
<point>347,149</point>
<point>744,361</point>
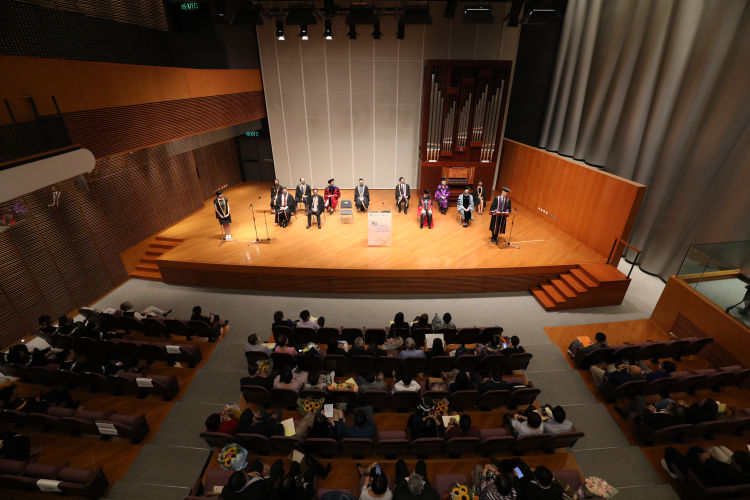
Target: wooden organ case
<point>462,120</point>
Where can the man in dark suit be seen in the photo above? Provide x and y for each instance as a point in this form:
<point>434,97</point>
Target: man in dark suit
<point>403,194</point>
<point>415,486</point>
<point>493,383</point>
<point>655,418</point>
<point>255,378</point>
<point>284,208</point>
<point>536,484</point>
<point>275,192</point>
<point>712,472</point>
<point>255,484</point>
<point>264,425</point>
<point>362,196</point>
<point>500,204</point>
<point>302,193</point>
<point>315,206</point>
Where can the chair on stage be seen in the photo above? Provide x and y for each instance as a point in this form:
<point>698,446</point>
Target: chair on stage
<point>346,209</point>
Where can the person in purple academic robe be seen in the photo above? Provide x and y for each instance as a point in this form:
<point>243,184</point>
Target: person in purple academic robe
<point>442,195</point>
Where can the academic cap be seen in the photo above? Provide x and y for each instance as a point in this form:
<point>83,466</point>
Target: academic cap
<point>507,190</point>
<point>426,191</point>
<point>330,181</point>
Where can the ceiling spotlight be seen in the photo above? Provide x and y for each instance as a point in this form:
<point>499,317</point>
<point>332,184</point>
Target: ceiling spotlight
<point>301,15</point>
<point>327,33</point>
<point>352,32</point>
<point>303,32</point>
<point>376,33</point>
<point>416,15</point>
<point>279,30</point>
<point>400,32</point>
<point>477,14</point>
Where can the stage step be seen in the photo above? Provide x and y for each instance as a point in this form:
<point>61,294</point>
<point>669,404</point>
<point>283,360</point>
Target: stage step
<point>147,275</point>
<point>573,283</point>
<point>155,252</point>
<point>145,266</point>
<point>583,278</point>
<point>563,289</point>
<point>602,273</point>
<point>166,245</point>
<point>543,299</point>
<point>149,259</point>
<point>554,294</point>
<point>167,238</point>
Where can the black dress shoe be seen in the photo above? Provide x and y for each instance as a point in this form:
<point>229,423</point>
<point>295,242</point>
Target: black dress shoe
<point>308,226</point>
<point>421,226</point>
<point>493,241</point>
<point>318,226</point>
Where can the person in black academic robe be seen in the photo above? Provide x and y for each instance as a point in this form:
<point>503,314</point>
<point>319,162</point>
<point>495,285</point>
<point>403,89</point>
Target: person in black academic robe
<point>500,204</point>
<point>275,192</point>
<point>284,208</point>
<point>480,198</point>
<point>302,193</point>
<point>362,196</point>
<point>315,206</point>
<point>402,195</point>
<point>221,207</point>
<point>425,210</point>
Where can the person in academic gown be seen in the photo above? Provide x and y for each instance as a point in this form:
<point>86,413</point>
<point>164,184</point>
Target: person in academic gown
<point>275,192</point>
<point>442,195</point>
<point>465,206</point>
<point>332,195</point>
<point>480,198</point>
<point>315,206</point>
<point>424,211</point>
<point>302,194</point>
<point>402,195</point>
<point>499,204</point>
<point>221,206</point>
<point>362,196</point>
<point>285,207</point>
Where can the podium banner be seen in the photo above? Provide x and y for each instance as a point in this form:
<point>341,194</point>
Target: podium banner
<point>379,229</point>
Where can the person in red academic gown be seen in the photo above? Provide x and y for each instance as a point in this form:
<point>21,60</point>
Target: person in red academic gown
<point>424,210</point>
<point>332,195</point>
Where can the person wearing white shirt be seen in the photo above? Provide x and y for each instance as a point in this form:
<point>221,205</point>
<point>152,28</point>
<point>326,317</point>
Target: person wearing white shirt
<point>307,321</point>
<point>524,426</point>
<point>406,384</point>
<point>253,344</point>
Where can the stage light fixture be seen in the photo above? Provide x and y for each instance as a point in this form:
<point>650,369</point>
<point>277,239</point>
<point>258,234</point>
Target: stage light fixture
<point>248,16</point>
<point>352,32</point>
<point>330,8</point>
<point>401,31</point>
<point>416,15</point>
<point>279,30</point>
<point>477,14</point>
<point>303,32</point>
<point>514,14</point>
<point>450,8</point>
<point>361,16</point>
<point>376,31</point>
<point>327,33</point>
<point>301,15</point>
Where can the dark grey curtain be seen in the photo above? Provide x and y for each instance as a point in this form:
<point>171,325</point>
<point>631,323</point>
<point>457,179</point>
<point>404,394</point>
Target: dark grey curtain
<point>658,91</point>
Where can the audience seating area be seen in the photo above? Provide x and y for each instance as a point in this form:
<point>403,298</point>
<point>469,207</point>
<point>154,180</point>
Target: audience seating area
<point>378,336</point>
<point>649,350</point>
<point>19,474</point>
<point>158,327</point>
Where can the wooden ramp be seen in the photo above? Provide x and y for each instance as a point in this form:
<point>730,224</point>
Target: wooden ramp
<point>589,285</point>
<point>147,269</point>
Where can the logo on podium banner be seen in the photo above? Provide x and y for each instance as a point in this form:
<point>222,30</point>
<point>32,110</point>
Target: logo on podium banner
<point>379,229</point>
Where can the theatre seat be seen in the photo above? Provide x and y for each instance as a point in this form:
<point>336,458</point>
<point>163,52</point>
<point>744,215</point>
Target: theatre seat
<point>467,363</point>
<point>179,327</point>
<point>379,400</point>
<point>255,442</point>
<point>392,444</point>
<point>458,446</point>
<point>443,482</point>
<point>562,440</point>
<point>494,441</point>
<point>217,439</point>
<point>493,399</point>
<point>322,446</point>
<point>357,447</point>
<point>254,394</point>
<point>460,400</point>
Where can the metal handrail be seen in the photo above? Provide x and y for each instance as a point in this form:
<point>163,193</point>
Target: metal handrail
<point>626,244</point>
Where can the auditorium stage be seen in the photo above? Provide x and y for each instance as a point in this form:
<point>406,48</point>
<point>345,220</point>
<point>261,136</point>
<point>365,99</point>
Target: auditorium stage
<point>337,259</point>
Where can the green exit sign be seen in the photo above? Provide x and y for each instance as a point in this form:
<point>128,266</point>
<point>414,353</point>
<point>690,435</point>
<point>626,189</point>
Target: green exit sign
<point>189,6</point>
<point>253,133</point>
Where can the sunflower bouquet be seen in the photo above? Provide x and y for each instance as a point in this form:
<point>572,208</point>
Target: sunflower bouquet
<point>233,457</point>
<point>265,366</point>
<point>441,407</point>
<point>309,405</point>
<point>461,492</point>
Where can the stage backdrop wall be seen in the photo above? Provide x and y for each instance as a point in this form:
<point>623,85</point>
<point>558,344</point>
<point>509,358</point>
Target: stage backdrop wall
<point>351,108</point>
<point>55,259</point>
<point>592,206</point>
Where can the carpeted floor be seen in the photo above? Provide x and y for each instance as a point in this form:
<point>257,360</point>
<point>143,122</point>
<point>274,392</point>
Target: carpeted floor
<point>229,357</point>
<point>595,421</point>
<point>184,424</point>
<point>167,465</point>
<point>129,491</point>
<point>621,467</point>
<point>547,358</point>
<point>562,388</point>
<point>652,492</point>
<point>215,386</point>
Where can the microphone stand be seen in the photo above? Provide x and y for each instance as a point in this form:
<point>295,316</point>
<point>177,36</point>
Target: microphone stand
<point>255,226</point>
<point>265,220</point>
<point>508,243</point>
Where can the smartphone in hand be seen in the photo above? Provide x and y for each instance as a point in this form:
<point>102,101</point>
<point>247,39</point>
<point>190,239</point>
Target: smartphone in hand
<point>518,472</point>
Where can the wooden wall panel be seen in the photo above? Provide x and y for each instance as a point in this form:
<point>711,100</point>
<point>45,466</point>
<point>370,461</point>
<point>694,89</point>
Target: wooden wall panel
<point>137,173</point>
<point>234,160</point>
<point>11,326</point>
<point>200,164</point>
<point>213,175</point>
<point>131,211</point>
<point>181,187</point>
<point>170,190</point>
<point>591,205</point>
<point>191,174</point>
<point>151,171</point>
<point>113,212</point>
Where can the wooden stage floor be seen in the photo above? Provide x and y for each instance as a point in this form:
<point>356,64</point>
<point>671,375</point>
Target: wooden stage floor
<point>445,259</point>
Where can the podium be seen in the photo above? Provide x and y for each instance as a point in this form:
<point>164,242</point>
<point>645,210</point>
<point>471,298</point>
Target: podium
<point>379,229</point>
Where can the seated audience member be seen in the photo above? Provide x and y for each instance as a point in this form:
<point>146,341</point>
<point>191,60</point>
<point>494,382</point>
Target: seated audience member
<point>406,384</point>
<point>16,446</point>
<point>705,410</point>
<point>461,383</point>
<point>255,378</point>
<point>410,350</point>
<point>45,325</point>
<point>375,488</point>
<point>66,326</point>
<point>323,428</point>
<point>297,485</point>
<point>92,330</point>
<point>66,360</point>
<point>19,354</point>
<point>494,347</point>
<point>666,368</point>
<point>656,418</point>
<point>126,309</point>
<point>254,344</point>
<point>429,426</point>
<point>262,423</point>
<point>398,322</point>
<point>425,406</point>
<point>436,350</point>
<point>600,341</point>
<point>223,422</point>
<point>11,401</point>
<point>713,473</point>
<point>526,425</point>
<point>415,486</point>
<point>615,377</point>
<point>306,321</point>
<point>287,380</point>
<point>279,320</point>
<point>371,382</point>
<point>282,345</point>
<point>462,428</point>
<point>558,422</point>
<point>421,321</point>
<point>721,453</point>
<point>334,349</point>
<point>316,381</point>
<point>537,484</point>
<point>212,320</point>
<point>255,484</point>
<point>363,427</point>
<point>492,383</point>
<point>358,348</point>
<point>444,322</point>
<point>513,348</point>
<point>492,484</point>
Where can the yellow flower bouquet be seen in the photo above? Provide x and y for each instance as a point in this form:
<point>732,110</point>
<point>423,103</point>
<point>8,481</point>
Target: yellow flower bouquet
<point>461,492</point>
<point>233,457</point>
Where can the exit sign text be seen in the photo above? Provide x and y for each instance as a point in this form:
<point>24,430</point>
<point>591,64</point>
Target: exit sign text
<point>189,6</point>
<point>253,133</point>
